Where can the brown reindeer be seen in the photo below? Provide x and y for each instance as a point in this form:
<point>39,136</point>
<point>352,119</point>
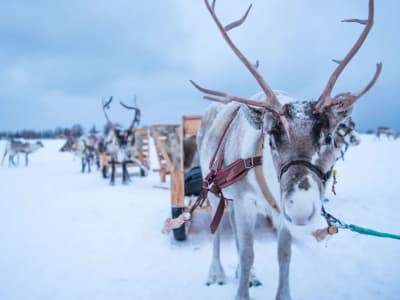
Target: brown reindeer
<point>296,161</point>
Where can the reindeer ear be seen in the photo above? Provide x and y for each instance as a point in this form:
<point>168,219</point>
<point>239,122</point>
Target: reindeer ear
<point>337,114</point>
<point>254,116</point>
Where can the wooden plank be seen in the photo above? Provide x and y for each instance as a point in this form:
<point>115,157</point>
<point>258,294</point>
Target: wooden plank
<point>177,189</point>
<point>144,151</point>
<point>190,125</point>
<point>160,139</point>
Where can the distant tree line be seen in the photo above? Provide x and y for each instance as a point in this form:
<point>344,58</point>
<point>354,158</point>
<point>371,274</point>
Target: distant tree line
<point>75,131</point>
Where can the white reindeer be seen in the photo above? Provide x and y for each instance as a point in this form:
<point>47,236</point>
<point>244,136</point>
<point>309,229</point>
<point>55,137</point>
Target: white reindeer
<point>120,144</point>
<point>85,148</point>
<point>385,131</point>
<point>298,156</point>
<point>13,148</point>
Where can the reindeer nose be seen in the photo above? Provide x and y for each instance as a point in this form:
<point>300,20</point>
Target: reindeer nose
<point>299,219</point>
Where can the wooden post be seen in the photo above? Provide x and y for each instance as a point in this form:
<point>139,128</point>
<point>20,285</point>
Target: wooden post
<point>177,188</point>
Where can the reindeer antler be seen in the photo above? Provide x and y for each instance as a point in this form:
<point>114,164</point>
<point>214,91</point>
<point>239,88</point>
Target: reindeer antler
<point>271,104</point>
<point>347,99</point>
<point>136,118</point>
<point>106,105</point>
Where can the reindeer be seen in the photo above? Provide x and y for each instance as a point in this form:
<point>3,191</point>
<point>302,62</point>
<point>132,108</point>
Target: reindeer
<point>69,145</point>
<point>13,148</point>
<point>296,159</point>
<point>385,131</point>
<point>86,148</point>
<point>120,143</point>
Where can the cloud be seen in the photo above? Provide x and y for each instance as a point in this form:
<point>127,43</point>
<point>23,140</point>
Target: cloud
<point>59,58</point>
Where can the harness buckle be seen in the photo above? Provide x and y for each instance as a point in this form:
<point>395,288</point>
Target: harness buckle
<point>248,164</point>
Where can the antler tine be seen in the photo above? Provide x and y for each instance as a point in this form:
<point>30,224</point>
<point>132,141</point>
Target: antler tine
<point>127,106</point>
<point>215,99</point>
<point>326,99</point>
<point>208,91</point>
<point>107,105</point>
<point>271,97</point>
<point>239,22</point>
<point>372,82</point>
<point>226,98</point>
<point>136,118</point>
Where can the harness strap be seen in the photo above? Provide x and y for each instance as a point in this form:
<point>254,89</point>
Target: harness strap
<point>218,157</point>
<point>317,171</point>
<point>262,182</point>
<point>227,176</point>
<point>219,178</point>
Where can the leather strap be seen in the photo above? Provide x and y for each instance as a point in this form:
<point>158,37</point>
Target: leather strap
<point>261,179</point>
<point>225,177</point>
<point>317,171</point>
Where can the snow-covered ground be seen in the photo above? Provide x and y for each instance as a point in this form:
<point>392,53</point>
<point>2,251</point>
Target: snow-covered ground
<point>67,235</point>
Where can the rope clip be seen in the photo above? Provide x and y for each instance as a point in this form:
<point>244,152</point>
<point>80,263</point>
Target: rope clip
<point>332,221</point>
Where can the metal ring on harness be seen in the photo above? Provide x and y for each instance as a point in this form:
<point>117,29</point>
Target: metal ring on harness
<point>249,164</point>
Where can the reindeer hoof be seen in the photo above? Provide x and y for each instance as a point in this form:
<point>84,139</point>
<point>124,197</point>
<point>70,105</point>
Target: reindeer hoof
<point>220,282</point>
<point>218,278</point>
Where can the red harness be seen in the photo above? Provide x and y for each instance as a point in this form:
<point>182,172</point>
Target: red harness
<point>219,177</point>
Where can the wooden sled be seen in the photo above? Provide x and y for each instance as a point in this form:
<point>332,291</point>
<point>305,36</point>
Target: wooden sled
<point>160,137</point>
<point>180,203</point>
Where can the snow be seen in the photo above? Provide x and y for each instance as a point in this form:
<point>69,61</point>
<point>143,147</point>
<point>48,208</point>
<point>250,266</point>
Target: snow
<point>67,235</point>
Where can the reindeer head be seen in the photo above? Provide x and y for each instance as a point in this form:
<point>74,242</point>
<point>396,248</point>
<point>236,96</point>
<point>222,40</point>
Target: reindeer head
<point>122,138</point>
<point>302,135</point>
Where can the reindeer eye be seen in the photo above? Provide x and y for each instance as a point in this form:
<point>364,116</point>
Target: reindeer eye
<point>328,139</point>
<point>270,144</point>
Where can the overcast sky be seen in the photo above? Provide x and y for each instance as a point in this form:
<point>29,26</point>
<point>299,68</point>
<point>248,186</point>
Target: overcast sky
<point>60,58</point>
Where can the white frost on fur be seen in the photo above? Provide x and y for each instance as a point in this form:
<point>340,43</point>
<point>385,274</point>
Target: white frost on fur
<point>298,110</point>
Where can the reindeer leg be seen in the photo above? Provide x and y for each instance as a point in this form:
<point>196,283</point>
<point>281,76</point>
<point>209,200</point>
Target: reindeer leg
<point>83,165</point>
<point>124,171</point>
<point>284,254</point>
<point>245,217</point>
<point>254,281</point>
<point>104,171</point>
<point>216,273</point>
<point>11,161</point>
<point>112,180</point>
<point>88,160</point>
<point>26,159</point>
<point>127,177</point>
<point>98,161</point>
<point>4,156</point>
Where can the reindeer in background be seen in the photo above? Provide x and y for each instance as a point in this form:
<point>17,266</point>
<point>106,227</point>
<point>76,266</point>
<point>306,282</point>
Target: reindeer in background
<point>385,131</point>
<point>14,148</point>
<point>86,148</point>
<point>120,143</point>
<point>285,177</point>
